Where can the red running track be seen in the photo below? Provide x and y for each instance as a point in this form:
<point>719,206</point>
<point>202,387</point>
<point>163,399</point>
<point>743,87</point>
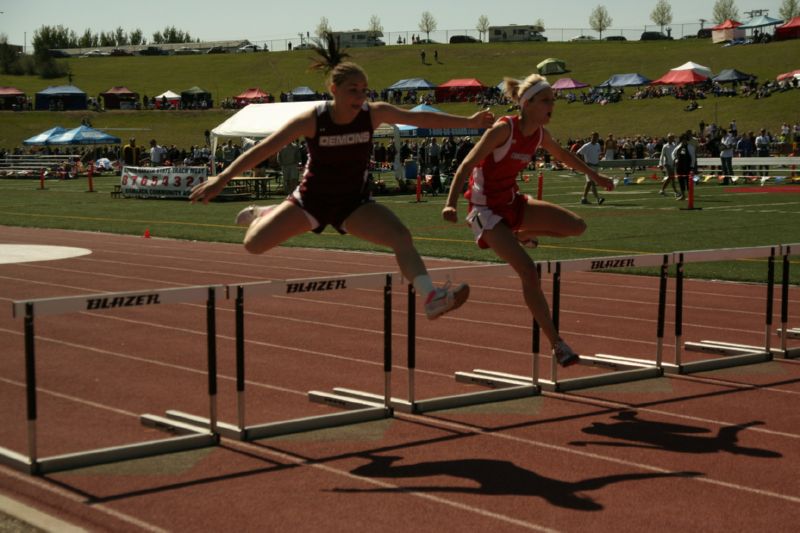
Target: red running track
<point>716,451</point>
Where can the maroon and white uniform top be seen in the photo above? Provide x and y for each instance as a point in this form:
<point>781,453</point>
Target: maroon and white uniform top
<point>334,182</point>
<point>338,155</point>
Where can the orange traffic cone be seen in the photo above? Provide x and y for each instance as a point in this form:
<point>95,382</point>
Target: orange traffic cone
<point>146,234</point>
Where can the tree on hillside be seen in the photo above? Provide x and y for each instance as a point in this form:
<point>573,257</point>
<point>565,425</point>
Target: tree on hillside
<point>427,24</point>
<point>137,37</point>
<point>482,26</point>
<point>662,14</point>
<point>375,28</point>
<point>171,35</point>
<point>539,22</point>
<point>600,20</point>
<point>323,28</point>
<point>724,10</point>
<point>789,9</point>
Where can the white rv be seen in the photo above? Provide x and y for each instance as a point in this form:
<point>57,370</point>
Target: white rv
<point>358,38</point>
<point>515,32</point>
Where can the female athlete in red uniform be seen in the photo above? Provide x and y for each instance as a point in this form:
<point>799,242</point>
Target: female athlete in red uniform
<point>334,189</point>
<point>500,216</point>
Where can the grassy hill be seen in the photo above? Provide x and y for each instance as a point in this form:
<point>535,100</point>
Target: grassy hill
<point>225,75</point>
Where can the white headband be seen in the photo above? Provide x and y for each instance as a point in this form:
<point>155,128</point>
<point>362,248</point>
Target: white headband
<point>531,91</point>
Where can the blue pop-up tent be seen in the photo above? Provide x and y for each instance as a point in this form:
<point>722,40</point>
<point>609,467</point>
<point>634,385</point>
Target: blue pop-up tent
<point>61,98</point>
<point>41,139</point>
<point>625,80</point>
<point>412,84</point>
<point>83,135</point>
<point>413,131</point>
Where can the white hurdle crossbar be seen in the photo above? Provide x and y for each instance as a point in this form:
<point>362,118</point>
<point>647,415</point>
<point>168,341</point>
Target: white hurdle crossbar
<point>731,354</point>
<point>622,369</point>
<point>190,436</point>
<point>357,410</point>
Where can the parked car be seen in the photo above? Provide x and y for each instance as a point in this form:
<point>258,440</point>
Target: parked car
<point>705,33</point>
<point>57,53</point>
<point>120,52</point>
<point>615,38</point>
<point>248,48</point>
<point>216,50</point>
<point>96,53</point>
<point>655,36</point>
<point>303,46</point>
<point>582,38</point>
<point>463,39</point>
<point>187,50</point>
<point>426,41</point>
<point>152,51</point>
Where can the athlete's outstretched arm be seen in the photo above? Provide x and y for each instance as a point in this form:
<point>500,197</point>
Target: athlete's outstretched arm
<point>573,161</point>
<point>389,114</point>
<point>301,126</point>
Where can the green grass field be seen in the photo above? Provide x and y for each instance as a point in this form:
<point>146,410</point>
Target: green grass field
<point>635,219</point>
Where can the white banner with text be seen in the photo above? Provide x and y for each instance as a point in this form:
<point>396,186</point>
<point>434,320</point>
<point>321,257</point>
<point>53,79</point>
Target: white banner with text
<point>160,182</point>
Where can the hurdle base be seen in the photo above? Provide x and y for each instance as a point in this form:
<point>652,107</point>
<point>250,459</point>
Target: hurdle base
<point>788,353</point>
<point>16,460</point>
<point>398,404</point>
<point>442,403</point>
<point>609,378</point>
<point>284,427</point>
<point>174,419</point>
<point>102,456</point>
<point>734,355</point>
<point>492,379</point>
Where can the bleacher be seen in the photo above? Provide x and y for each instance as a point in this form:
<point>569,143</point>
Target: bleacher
<point>31,165</point>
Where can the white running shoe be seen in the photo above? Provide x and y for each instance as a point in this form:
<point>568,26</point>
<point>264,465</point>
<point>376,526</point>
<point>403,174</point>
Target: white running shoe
<point>444,299</point>
<point>246,216</point>
<point>564,354</point>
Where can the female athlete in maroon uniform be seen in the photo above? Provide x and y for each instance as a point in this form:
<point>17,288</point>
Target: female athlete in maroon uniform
<point>334,189</point>
<point>500,216</point>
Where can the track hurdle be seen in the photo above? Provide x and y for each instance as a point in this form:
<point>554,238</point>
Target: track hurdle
<point>504,388</point>
<point>785,332</point>
<point>622,369</point>
<point>356,410</point>
<point>731,354</point>
<point>190,437</point>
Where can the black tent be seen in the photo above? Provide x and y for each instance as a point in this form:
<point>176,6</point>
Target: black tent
<point>196,98</point>
<point>730,75</point>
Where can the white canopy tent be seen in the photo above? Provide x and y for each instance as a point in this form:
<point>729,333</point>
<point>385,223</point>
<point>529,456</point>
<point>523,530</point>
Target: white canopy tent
<point>700,69</point>
<point>256,121</point>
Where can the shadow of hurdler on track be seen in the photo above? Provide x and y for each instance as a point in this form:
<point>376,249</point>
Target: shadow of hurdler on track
<point>496,478</point>
<point>672,437</point>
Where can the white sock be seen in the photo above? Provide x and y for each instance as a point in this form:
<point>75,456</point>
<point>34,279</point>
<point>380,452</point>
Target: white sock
<point>423,285</point>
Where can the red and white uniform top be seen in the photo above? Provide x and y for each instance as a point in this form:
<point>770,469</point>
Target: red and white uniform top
<point>494,180</point>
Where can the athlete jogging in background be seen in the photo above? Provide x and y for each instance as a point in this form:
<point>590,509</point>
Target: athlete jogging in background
<point>334,189</point>
<point>504,219</point>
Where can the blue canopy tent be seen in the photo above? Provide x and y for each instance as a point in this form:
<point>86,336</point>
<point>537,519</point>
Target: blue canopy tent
<point>41,139</point>
<point>303,94</point>
<point>413,131</point>
<point>83,135</point>
<point>412,84</point>
<point>625,80</point>
<point>731,75</point>
<point>760,22</point>
<point>61,98</point>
